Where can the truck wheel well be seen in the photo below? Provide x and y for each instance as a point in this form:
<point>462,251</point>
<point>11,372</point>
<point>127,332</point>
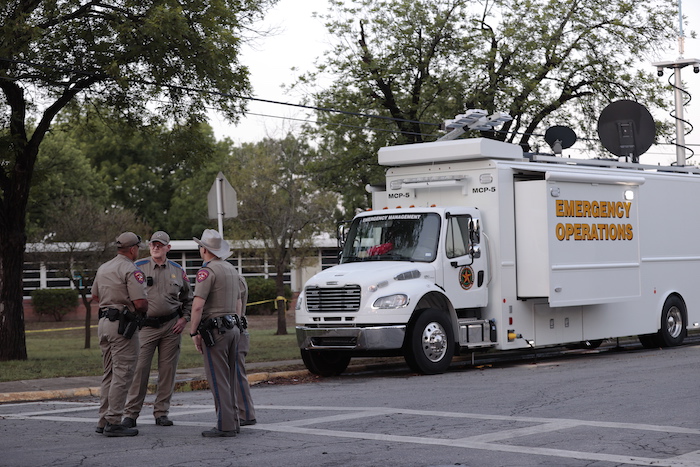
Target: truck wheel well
<point>437,301</point>
<point>433,300</point>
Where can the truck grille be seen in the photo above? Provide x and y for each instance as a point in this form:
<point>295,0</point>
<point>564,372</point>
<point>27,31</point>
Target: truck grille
<point>333,300</point>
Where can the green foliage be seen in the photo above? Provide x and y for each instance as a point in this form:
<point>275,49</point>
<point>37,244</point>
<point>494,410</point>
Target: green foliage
<point>54,302</point>
<point>263,290</point>
<point>63,172</point>
<point>415,63</point>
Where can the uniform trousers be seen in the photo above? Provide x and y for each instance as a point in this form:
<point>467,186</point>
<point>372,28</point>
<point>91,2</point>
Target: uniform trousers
<point>119,357</point>
<point>220,368</point>
<point>168,345</point>
<point>246,410</point>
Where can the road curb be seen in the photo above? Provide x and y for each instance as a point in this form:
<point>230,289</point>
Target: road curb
<point>32,396</point>
<point>182,386</point>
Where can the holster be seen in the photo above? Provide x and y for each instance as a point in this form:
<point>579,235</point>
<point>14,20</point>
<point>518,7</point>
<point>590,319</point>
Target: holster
<point>206,330</point>
<point>128,323</point>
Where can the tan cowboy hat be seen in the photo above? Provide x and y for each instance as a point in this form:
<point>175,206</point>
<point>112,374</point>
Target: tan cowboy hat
<point>212,241</point>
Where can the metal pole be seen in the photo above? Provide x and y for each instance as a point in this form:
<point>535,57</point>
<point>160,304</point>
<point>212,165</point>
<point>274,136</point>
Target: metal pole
<point>220,204</point>
<point>680,126</point>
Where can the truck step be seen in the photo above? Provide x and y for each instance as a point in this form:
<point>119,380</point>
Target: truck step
<point>475,333</point>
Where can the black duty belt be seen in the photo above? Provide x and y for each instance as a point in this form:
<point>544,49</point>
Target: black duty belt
<point>111,314</point>
<point>222,323</point>
<point>158,321</point>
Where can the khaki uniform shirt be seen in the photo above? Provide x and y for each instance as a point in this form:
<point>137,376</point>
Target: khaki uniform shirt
<point>118,283</point>
<point>217,284</point>
<point>170,290</point>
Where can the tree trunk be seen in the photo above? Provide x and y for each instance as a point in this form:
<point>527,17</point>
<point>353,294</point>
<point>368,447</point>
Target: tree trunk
<point>15,183</point>
<point>13,345</point>
<point>281,305</point>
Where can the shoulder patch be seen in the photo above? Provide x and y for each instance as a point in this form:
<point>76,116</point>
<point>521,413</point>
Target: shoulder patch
<point>184,276</point>
<point>140,278</point>
<point>202,275</point>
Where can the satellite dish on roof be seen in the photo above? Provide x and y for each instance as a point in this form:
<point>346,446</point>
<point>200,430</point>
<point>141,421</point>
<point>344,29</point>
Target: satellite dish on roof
<point>626,128</point>
<point>559,137</point>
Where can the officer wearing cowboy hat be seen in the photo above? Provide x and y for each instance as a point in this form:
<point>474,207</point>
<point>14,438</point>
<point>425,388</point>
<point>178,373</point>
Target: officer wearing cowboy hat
<point>216,294</point>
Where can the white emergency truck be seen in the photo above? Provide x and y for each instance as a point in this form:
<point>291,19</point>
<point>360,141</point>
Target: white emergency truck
<point>474,246</point>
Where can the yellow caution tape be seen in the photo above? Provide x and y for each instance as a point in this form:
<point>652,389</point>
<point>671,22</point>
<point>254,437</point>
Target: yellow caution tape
<point>59,329</point>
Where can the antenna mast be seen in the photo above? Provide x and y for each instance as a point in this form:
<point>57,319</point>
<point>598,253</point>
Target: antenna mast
<point>676,66</point>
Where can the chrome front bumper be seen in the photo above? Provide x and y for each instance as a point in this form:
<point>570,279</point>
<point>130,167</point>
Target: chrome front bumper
<point>352,338</point>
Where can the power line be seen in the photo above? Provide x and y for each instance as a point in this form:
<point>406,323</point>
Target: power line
<point>218,93</point>
<point>275,102</point>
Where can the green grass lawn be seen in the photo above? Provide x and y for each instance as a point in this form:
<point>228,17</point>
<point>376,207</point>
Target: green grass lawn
<point>57,349</point>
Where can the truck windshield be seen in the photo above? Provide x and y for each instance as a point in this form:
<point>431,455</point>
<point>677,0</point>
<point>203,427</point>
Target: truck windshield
<point>393,237</point>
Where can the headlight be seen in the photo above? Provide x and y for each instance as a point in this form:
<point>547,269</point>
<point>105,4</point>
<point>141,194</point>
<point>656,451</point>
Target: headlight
<point>391,301</point>
<point>300,301</point>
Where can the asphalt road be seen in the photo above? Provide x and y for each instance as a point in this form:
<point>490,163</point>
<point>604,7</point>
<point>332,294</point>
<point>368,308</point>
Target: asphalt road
<point>594,409</point>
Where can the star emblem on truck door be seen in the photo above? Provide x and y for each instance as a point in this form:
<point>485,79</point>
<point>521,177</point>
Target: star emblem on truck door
<point>466,277</point>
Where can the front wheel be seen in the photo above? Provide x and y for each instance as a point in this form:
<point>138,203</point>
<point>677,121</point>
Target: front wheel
<point>430,343</point>
<point>325,363</point>
<point>673,323</point>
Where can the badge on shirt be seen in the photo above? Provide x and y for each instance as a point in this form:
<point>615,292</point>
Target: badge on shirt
<point>202,275</point>
<point>140,278</point>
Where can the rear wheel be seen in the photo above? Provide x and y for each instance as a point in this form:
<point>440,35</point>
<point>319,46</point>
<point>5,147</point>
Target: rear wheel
<point>673,322</point>
<point>673,326</point>
<point>430,343</point>
<point>325,363</point>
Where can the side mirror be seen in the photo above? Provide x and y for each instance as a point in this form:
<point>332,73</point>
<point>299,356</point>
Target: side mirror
<point>341,232</point>
<point>474,231</point>
<point>475,251</point>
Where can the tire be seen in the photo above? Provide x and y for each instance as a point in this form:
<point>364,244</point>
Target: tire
<point>325,363</point>
<point>674,322</point>
<point>430,343</point>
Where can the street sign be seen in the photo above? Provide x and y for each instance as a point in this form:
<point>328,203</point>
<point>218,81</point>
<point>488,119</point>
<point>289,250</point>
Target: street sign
<point>222,202</point>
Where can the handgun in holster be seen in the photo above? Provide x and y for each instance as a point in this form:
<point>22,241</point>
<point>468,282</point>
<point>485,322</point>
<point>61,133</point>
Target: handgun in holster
<point>206,330</point>
<point>128,323</point>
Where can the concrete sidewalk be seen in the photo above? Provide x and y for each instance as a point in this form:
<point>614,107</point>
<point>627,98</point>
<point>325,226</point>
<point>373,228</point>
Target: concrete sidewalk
<point>186,379</point>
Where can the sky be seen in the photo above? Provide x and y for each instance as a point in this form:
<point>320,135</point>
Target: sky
<point>299,39</point>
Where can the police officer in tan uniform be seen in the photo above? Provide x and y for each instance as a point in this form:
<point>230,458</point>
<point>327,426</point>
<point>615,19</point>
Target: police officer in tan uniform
<point>216,294</point>
<point>169,308</point>
<point>120,289</point>
<point>246,410</point>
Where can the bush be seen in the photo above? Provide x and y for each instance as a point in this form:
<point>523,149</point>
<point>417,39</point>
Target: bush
<point>54,302</point>
<point>264,290</point>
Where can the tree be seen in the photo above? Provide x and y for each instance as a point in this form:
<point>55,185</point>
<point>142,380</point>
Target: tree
<point>414,63</point>
<point>141,58</point>
<point>63,171</point>
<point>279,205</point>
<point>149,169</point>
